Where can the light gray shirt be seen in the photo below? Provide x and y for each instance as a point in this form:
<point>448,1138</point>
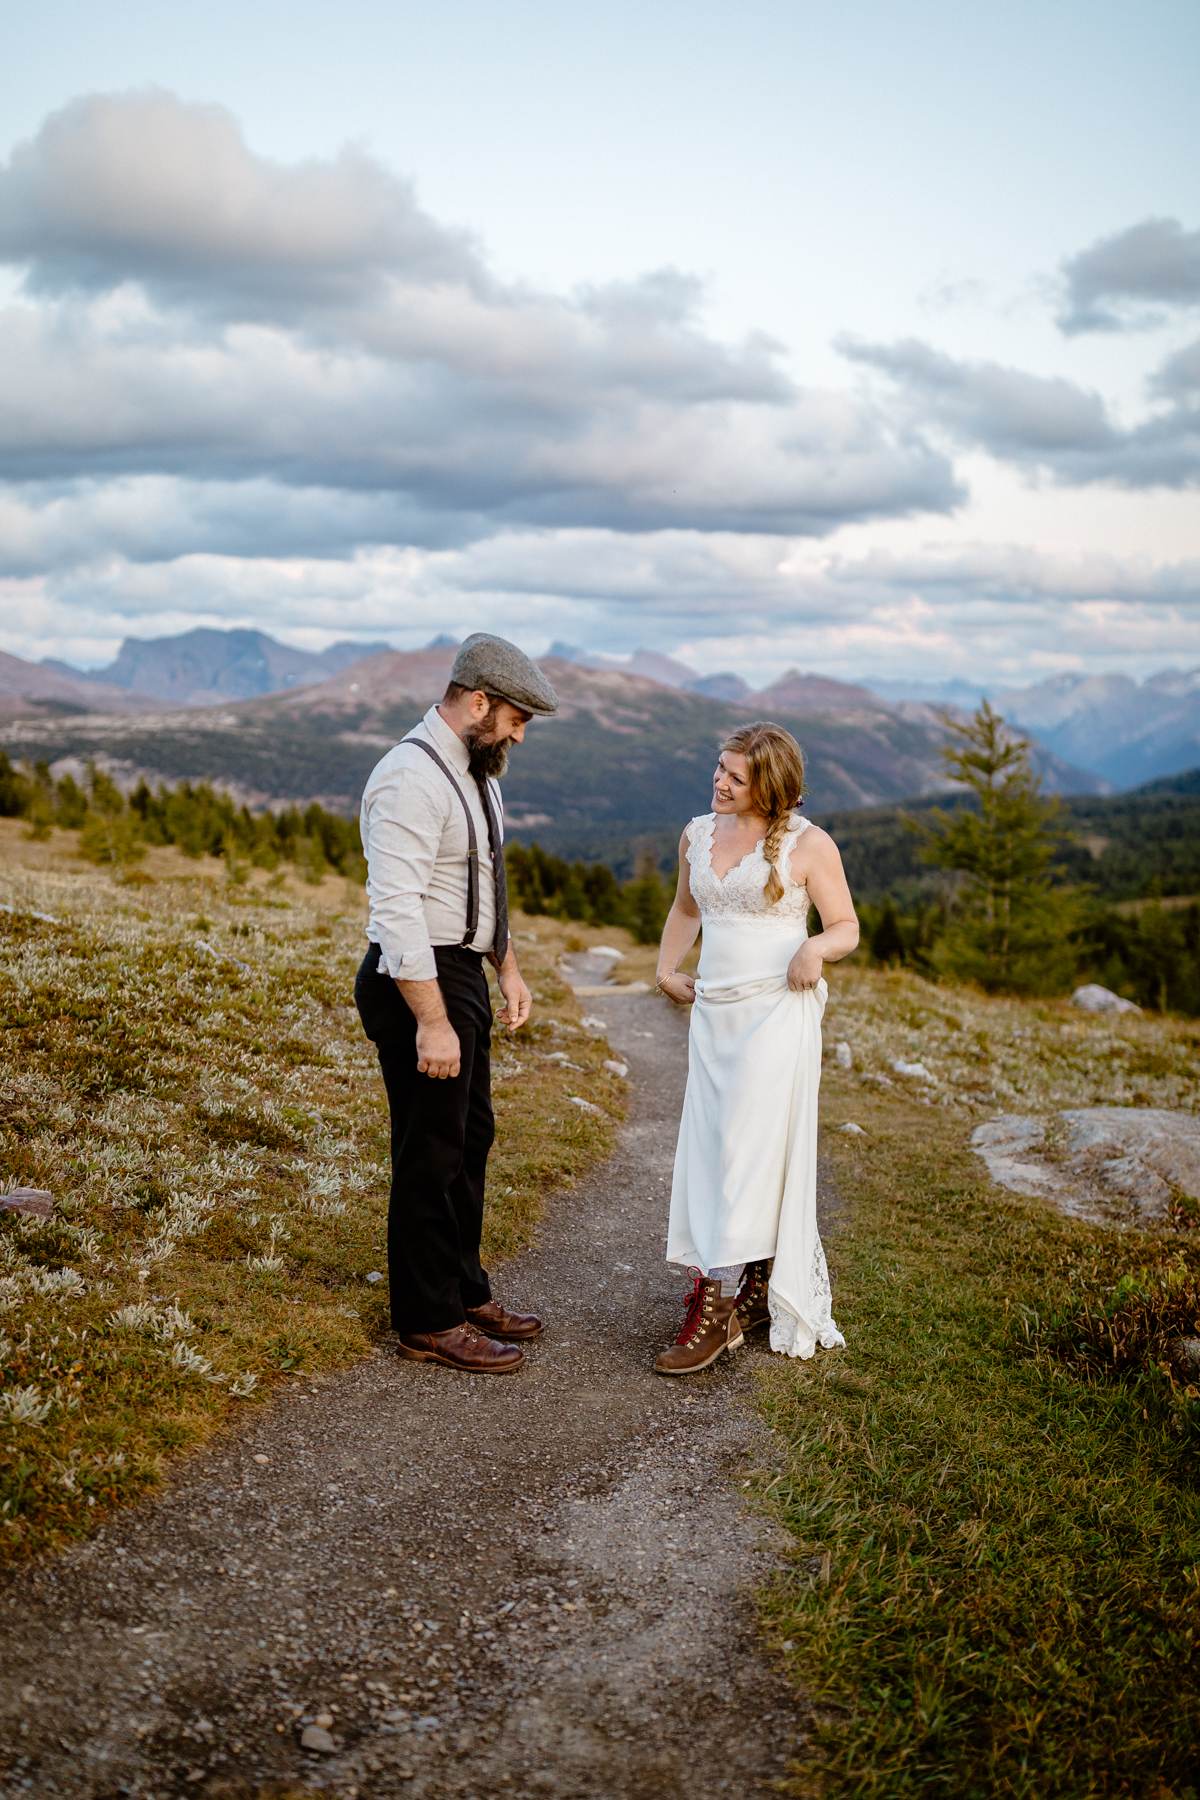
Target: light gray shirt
<point>414,837</point>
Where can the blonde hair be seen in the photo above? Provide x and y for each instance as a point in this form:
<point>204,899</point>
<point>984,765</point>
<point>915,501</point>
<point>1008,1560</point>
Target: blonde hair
<point>776,778</point>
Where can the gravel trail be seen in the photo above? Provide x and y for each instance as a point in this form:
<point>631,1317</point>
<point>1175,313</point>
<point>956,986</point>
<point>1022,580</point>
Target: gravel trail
<point>464,1586</point>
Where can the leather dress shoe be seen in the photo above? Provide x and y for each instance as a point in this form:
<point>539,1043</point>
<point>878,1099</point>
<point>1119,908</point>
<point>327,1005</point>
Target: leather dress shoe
<point>498,1322</point>
<point>462,1347</point>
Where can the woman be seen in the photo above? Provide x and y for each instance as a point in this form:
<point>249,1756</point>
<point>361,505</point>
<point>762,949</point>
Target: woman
<point>744,1187</point>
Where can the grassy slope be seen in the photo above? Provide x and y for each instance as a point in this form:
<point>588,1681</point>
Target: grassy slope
<point>997,1571</point>
<point>213,1130</point>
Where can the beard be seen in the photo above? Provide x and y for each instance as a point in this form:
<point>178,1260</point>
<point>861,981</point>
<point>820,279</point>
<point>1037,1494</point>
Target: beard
<point>485,756</point>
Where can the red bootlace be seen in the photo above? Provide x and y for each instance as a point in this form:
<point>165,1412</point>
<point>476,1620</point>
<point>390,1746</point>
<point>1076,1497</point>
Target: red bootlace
<point>694,1302</point>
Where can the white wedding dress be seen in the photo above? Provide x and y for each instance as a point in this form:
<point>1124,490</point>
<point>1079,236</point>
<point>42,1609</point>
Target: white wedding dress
<point>745,1180</point>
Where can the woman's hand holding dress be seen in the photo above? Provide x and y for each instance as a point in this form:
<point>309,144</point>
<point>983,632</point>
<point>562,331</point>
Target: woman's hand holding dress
<point>805,968</point>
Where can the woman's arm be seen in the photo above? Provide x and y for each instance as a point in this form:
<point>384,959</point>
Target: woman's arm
<point>821,862</point>
<point>679,934</point>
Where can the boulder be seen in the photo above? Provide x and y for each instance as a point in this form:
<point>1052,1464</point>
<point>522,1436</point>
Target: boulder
<point>915,1071</point>
<point>1094,998</point>
<point>1111,1164</point>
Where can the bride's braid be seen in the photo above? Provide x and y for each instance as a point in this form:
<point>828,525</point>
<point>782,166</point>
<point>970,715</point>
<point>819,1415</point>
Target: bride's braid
<point>772,845</point>
<point>776,786</point>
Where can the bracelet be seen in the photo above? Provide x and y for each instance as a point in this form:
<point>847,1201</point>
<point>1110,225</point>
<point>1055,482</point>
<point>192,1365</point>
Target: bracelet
<point>659,979</point>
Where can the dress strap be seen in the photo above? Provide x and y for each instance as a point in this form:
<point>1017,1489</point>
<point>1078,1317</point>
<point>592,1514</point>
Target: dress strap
<point>698,831</point>
<point>791,837</point>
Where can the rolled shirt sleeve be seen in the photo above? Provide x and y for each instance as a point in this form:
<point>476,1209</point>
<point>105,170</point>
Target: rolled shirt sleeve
<point>403,823</point>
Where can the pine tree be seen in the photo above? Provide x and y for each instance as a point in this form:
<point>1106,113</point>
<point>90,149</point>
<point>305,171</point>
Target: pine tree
<point>647,900</point>
<point>887,941</point>
<point>1010,928</point>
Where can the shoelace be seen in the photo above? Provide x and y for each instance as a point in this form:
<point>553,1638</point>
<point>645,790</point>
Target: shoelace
<point>694,1301</point>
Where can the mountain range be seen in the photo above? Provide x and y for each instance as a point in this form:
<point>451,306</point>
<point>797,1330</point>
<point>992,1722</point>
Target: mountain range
<point>1109,726</point>
<point>626,760</point>
<point>207,667</point>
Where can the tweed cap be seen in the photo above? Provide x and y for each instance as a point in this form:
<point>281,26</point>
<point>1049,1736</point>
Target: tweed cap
<point>498,667</point>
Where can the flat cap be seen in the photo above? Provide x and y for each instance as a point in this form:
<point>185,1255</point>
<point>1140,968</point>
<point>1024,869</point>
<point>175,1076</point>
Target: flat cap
<point>498,667</point>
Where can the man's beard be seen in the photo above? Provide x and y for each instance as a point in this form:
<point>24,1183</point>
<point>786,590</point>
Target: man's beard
<point>489,758</point>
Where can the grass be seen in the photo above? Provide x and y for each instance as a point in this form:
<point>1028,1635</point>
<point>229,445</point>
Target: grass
<point>185,1072</point>
<point>995,1586</point>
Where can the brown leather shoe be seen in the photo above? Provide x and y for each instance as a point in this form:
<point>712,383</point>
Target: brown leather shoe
<point>710,1327</point>
<point>752,1306</point>
<point>462,1347</point>
<point>498,1322</point>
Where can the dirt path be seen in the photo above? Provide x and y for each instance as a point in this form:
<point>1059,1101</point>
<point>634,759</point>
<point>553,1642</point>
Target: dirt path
<point>535,1585</point>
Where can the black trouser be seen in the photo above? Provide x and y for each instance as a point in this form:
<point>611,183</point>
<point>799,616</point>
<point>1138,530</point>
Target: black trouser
<point>441,1134</point>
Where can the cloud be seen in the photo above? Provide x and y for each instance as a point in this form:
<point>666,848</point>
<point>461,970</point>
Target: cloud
<point>1044,424</point>
<point>192,310</point>
<point>756,604</point>
<point>140,186</point>
<point>1131,277</point>
<point>144,189</point>
<point>241,391</point>
<point>1179,376</point>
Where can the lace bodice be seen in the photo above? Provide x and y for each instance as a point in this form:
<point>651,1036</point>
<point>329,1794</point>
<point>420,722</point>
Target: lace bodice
<point>739,893</point>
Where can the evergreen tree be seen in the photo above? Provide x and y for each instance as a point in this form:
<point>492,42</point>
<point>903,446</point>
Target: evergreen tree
<point>14,790</point>
<point>646,903</point>
<point>1010,928</point>
<point>887,942</point>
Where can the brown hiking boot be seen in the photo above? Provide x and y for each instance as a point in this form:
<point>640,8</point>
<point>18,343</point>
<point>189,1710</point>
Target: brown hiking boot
<point>752,1306</point>
<point>462,1347</point>
<point>495,1321</point>
<point>710,1327</point>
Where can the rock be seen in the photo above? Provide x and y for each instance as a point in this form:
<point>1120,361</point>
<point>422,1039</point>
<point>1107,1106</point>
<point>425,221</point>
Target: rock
<point>843,1054</point>
<point>850,1126</point>
<point>1140,1153</point>
<point>915,1071</point>
<point>560,1056</point>
<point>315,1737</point>
<point>606,950</point>
<point>323,1719</point>
<point>262,1459</point>
<point>591,1023</point>
<point>374,1275</point>
<point>584,1105</point>
<point>1094,998</point>
<point>1185,1355</point>
<point>28,1200</point>
<point>1114,1164</point>
<point>616,1068</point>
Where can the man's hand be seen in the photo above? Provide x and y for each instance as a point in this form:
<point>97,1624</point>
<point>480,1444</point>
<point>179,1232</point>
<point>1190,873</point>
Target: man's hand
<point>679,988</point>
<point>518,1001</point>
<point>805,968</point>
<point>438,1053</point>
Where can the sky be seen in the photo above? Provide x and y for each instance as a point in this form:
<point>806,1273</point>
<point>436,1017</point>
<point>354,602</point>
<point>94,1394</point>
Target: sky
<point>862,340</point>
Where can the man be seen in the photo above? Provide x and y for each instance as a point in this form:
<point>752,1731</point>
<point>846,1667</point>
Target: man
<point>437,905</point>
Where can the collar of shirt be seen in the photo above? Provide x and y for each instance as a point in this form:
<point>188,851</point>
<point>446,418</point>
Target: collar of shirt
<point>447,741</point>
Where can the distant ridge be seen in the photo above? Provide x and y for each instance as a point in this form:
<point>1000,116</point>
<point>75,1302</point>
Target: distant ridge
<point>35,690</point>
<point>207,666</point>
<point>624,764</point>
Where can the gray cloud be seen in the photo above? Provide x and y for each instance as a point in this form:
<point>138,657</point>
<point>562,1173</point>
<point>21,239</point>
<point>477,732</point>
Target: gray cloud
<point>1131,277</point>
<point>194,311</point>
<point>1040,423</point>
<point>141,187</point>
<point>1179,375</point>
